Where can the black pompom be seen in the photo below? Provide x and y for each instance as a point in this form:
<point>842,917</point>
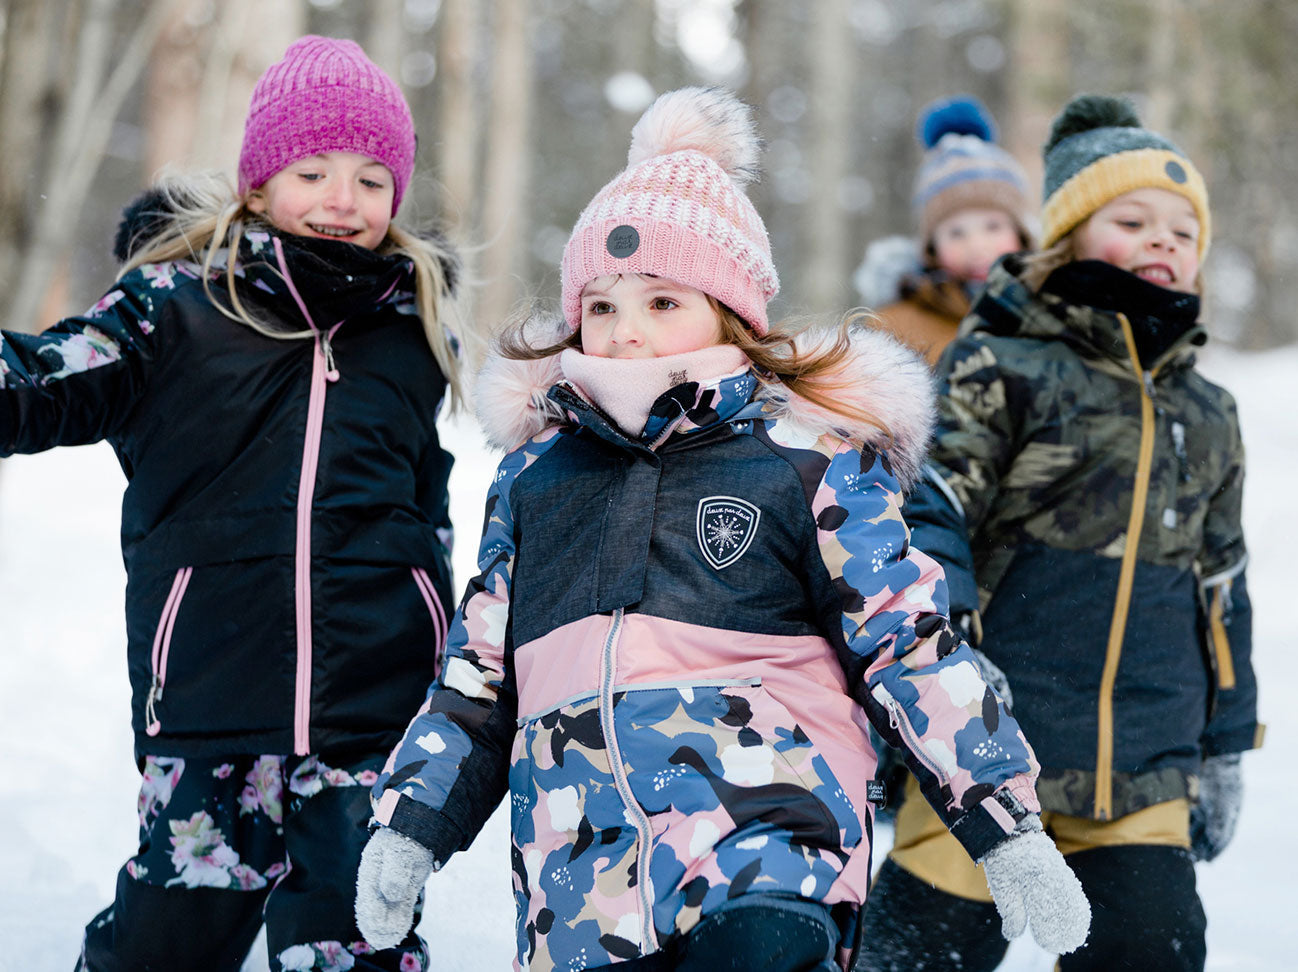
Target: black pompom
<point>1089,111</point>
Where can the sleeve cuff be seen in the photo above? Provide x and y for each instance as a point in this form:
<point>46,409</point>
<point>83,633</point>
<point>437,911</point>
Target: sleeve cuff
<point>1236,741</point>
<point>991,820</point>
<point>432,828</point>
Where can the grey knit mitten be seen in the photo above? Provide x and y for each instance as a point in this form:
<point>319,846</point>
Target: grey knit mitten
<point>392,873</point>
<point>1032,885</point>
<point>1213,817</point>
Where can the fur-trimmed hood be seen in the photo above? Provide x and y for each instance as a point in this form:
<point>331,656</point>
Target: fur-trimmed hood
<point>889,381</point>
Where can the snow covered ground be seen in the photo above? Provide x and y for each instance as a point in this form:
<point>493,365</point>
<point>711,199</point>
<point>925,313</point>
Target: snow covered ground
<point>68,781</point>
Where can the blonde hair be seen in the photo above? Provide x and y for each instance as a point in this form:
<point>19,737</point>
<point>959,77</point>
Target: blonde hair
<point>814,372</point>
<point>199,215</point>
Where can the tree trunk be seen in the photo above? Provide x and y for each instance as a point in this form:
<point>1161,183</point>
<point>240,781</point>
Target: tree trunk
<point>457,125</point>
<point>824,274</point>
<point>385,40</point>
<point>171,99</point>
<point>84,128</point>
<point>23,88</point>
<point>1166,30</point>
<point>1040,78</point>
<point>505,228</point>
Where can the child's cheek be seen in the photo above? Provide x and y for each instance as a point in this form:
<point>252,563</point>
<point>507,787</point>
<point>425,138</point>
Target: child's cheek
<point>1116,252</point>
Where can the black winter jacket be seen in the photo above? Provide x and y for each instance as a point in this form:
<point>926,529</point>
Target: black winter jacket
<point>284,526</point>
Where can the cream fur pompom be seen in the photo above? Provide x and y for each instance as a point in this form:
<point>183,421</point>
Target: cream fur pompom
<point>707,120</point>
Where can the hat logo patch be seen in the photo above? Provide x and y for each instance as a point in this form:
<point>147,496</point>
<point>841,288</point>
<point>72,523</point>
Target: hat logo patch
<point>725,527</point>
<point>1175,171</point>
<point>622,241</point>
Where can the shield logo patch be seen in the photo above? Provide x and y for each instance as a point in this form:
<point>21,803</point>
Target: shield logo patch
<point>725,528</point>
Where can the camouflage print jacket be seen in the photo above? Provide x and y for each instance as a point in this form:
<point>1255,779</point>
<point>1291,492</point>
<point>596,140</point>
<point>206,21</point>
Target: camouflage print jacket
<point>672,653</point>
<point>1056,441</point>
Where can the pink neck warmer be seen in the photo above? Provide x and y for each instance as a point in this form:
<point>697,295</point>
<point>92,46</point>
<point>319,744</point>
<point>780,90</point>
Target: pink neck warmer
<point>626,388</point>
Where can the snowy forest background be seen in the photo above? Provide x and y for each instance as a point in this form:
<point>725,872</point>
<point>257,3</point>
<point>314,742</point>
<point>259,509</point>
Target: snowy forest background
<point>524,109</point>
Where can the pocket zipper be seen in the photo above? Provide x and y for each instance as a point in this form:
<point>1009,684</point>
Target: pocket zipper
<point>162,648</point>
<point>898,720</point>
<point>436,612</point>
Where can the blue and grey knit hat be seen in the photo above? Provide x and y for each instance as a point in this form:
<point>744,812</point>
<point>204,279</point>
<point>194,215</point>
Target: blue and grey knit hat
<point>1099,150</point>
<point>964,168</point>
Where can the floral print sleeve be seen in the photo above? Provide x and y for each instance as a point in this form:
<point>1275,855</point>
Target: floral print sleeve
<point>919,681</point>
<point>451,768</point>
<point>75,382</point>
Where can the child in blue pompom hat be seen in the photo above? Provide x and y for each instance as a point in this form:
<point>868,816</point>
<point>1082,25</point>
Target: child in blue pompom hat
<point>971,207</point>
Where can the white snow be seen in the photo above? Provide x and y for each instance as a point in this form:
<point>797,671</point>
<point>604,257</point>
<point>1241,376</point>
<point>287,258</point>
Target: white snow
<point>68,782</point>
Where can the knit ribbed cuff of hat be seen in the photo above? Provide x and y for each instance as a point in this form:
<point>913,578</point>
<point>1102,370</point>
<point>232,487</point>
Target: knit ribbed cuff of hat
<point>1109,177</point>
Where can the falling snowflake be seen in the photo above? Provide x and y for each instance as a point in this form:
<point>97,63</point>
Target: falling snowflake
<point>726,532</point>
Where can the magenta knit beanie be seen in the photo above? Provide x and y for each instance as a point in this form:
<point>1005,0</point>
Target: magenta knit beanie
<point>326,96</point>
<point>679,209</point>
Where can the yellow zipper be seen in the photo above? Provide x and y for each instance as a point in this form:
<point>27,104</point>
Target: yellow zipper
<point>1220,643</point>
<point>1126,578</point>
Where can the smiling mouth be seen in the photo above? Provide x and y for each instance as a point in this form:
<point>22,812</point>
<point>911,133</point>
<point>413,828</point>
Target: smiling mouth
<point>337,232</point>
<point>1158,274</point>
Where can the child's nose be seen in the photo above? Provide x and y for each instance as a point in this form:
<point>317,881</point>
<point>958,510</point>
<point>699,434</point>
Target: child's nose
<point>341,196</point>
<point>627,330</point>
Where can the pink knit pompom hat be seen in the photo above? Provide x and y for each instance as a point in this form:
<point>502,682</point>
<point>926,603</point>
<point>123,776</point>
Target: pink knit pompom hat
<point>679,210</point>
<point>326,96</point>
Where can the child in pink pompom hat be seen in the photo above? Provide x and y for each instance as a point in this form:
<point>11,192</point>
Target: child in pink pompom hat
<point>696,592</point>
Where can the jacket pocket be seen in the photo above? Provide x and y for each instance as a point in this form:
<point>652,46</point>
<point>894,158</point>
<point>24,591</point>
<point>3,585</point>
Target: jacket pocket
<point>162,649</point>
<point>695,747</point>
<point>435,610</point>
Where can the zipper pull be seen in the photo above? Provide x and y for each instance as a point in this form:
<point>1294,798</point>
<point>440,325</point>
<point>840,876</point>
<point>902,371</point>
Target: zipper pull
<point>331,369</point>
<point>152,725</point>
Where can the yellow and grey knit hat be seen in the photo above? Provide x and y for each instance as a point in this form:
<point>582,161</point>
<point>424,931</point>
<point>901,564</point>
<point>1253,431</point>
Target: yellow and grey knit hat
<point>1099,150</point>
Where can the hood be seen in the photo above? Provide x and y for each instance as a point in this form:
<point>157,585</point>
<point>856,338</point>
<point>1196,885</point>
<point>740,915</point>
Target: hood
<point>888,261</point>
<point>888,381</point>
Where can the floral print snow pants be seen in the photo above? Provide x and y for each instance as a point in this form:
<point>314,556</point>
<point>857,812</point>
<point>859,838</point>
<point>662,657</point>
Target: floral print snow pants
<point>227,844</point>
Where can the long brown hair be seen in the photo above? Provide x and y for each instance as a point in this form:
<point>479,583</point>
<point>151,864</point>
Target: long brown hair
<point>801,356</point>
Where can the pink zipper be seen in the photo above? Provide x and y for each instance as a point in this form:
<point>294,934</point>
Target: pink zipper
<point>162,648</point>
<point>323,371</point>
<point>438,614</point>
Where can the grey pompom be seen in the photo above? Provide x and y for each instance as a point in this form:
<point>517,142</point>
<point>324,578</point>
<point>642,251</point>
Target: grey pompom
<point>1089,111</point>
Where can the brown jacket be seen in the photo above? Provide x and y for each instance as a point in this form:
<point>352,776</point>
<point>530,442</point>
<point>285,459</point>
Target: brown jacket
<point>927,316</point>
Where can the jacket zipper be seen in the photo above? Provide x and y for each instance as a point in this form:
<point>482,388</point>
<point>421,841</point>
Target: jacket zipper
<point>162,649</point>
<point>1126,578</point>
<point>435,610</point>
<point>323,371</point>
<point>898,720</point>
<point>608,672</point>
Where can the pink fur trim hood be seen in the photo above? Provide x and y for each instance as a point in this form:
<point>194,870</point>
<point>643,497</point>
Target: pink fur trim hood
<point>889,381</point>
